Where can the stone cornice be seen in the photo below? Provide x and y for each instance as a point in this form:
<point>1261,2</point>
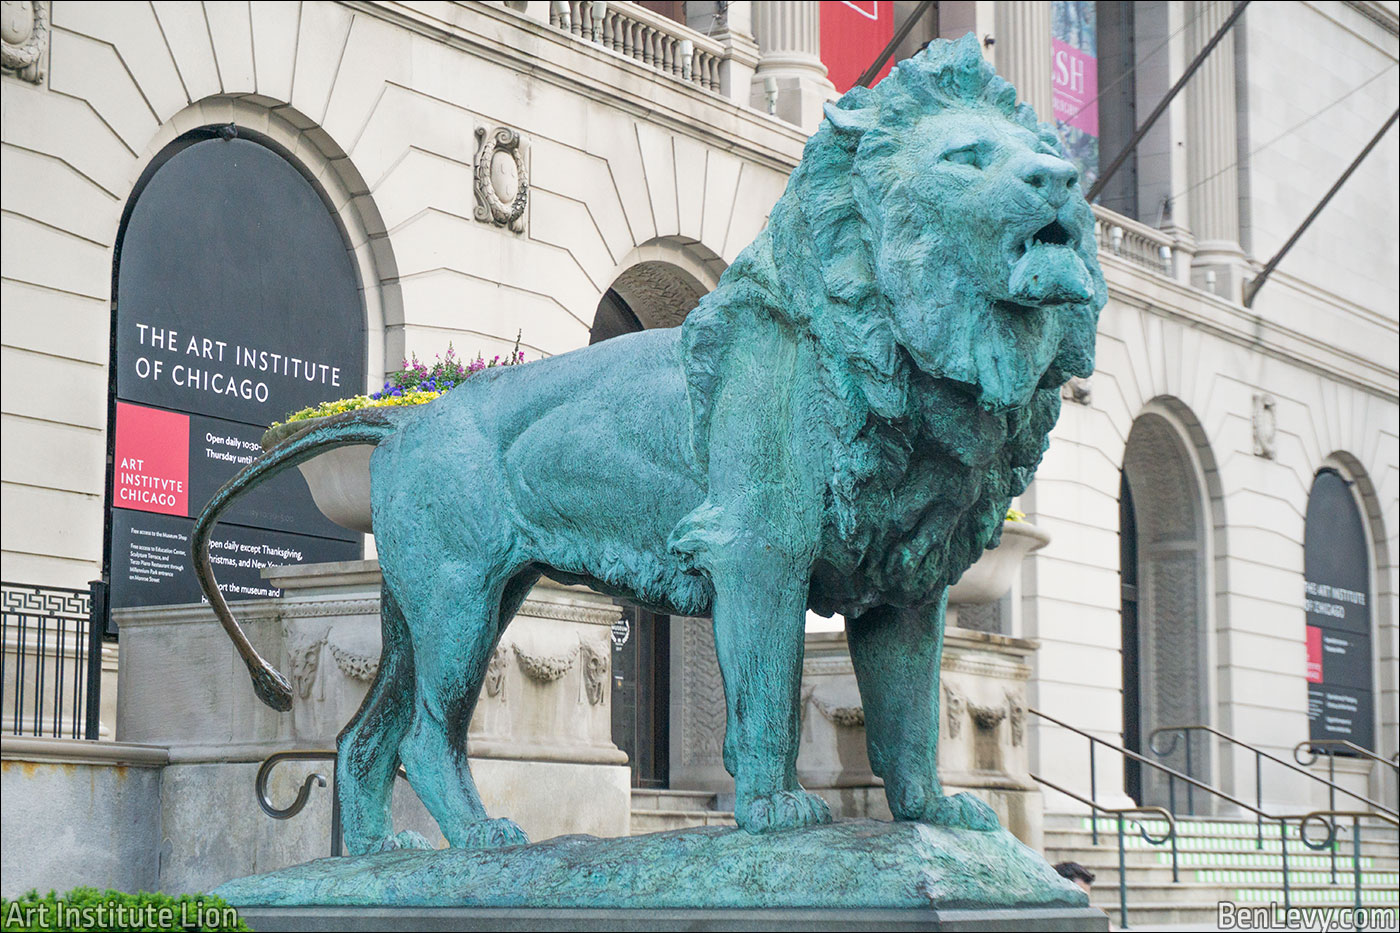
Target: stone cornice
<point>499,35</point>
<point>1239,325</point>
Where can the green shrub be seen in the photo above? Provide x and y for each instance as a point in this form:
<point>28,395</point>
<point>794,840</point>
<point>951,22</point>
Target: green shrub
<point>91,909</point>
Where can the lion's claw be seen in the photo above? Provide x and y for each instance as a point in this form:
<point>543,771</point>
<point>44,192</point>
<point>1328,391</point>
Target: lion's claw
<point>961,811</point>
<point>492,834</point>
<point>786,809</point>
<point>407,839</point>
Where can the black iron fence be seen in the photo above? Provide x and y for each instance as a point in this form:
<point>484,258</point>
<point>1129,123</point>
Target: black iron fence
<point>51,665</point>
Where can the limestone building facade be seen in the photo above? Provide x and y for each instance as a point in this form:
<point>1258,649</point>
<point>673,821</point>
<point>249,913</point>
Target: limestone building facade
<point>564,171</point>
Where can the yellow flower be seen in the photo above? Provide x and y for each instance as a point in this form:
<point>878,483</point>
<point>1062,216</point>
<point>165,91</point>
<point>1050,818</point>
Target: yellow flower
<point>342,405</point>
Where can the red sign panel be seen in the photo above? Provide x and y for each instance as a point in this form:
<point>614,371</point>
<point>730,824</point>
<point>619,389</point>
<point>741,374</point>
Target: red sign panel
<point>853,35</point>
<point>152,460</point>
<point>1314,654</point>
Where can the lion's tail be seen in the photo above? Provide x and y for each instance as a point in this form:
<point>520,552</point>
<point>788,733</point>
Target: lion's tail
<point>366,426</point>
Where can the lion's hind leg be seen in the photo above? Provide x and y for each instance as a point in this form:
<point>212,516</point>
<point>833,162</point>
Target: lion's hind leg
<point>454,635</point>
<point>368,748</point>
<point>897,655</point>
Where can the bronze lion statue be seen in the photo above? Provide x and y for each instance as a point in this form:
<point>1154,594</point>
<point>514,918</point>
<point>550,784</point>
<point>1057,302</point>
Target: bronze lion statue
<point>840,425</point>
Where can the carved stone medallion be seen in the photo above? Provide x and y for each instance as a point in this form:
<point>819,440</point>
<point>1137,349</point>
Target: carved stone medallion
<point>502,186</point>
<point>1265,425</point>
<point>24,26</point>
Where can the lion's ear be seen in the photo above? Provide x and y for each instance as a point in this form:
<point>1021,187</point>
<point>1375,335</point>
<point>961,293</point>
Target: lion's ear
<point>854,122</point>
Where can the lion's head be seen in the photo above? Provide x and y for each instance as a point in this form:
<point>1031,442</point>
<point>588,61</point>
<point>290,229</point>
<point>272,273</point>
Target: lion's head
<point>934,214</point>
<point>973,233</point>
<point>933,236</point>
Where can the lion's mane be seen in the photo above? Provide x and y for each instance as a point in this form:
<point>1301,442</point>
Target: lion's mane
<point>816,269</point>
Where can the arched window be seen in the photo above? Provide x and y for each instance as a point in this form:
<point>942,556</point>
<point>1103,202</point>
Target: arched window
<point>1337,575</point>
<point>236,302</point>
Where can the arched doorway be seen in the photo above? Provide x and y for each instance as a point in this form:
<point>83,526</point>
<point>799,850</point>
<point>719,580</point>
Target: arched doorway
<point>1163,551</point>
<point>1337,578</point>
<point>236,302</point>
<point>648,294</point>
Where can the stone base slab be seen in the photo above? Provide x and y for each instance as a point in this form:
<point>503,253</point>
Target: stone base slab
<point>431,920</point>
<point>199,850</point>
<point>856,864</point>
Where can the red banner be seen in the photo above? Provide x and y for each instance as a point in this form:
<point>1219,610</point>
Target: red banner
<point>152,470</point>
<point>1314,654</point>
<point>853,35</point>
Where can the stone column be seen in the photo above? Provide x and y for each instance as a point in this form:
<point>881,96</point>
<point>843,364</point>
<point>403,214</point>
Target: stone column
<point>789,43</point>
<point>1022,52</point>
<point>734,28</point>
<point>1212,154</point>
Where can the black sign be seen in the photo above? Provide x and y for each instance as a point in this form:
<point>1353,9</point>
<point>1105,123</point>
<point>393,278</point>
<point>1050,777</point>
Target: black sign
<point>1336,570</point>
<point>151,559</point>
<point>237,303</point>
<point>236,294</point>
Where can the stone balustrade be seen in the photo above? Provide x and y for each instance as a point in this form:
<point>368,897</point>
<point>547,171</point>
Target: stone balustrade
<point>644,36</point>
<point>1135,242</point>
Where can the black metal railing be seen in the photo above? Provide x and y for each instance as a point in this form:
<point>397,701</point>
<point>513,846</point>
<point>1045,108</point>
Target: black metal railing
<point>314,779</point>
<point>51,665</point>
<point>1122,815</point>
<point>1162,749</point>
<point>1382,815</point>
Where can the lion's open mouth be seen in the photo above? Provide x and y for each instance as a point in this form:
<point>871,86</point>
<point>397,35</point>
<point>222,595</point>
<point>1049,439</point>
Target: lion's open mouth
<point>1047,270</point>
<point>1054,234</point>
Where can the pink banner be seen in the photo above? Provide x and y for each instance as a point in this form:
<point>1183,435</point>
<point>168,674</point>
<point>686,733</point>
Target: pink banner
<point>1314,654</point>
<point>1075,80</point>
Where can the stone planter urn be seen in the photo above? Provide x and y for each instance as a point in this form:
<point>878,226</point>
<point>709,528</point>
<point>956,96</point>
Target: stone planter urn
<point>990,578</point>
<point>339,479</point>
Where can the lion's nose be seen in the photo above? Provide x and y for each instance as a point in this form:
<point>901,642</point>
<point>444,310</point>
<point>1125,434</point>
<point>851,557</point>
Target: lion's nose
<point>1051,176</point>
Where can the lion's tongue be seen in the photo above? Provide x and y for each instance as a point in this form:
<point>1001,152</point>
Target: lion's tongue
<point>1050,275</point>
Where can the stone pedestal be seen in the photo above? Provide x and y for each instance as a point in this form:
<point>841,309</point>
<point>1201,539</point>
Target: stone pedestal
<point>540,738</point>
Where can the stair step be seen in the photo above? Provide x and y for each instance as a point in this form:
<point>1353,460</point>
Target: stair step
<point>1188,858</point>
<point>645,798</point>
<point>655,821</point>
<point>1079,839</point>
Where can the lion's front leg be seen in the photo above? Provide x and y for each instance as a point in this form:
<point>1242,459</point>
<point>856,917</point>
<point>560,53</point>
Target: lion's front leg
<point>760,621</point>
<point>896,654</point>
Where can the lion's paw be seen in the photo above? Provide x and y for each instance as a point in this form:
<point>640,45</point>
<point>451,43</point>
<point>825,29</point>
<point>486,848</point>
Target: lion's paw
<point>492,834</point>
<point>961,811</point>
<point>786,809</point>
<point>408,839</point>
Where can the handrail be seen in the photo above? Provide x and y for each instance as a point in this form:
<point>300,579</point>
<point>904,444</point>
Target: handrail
<point>1260,814</point>
<point>1329,843</point>
<point>1171,773</point>
<point>304,792</point>
<point>1121,813</point>
<point>1333,787</point>
<point>1393,762</point>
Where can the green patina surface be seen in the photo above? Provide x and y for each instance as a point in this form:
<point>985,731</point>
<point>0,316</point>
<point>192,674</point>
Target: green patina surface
<point>863,863</point>
<point>839,426</point>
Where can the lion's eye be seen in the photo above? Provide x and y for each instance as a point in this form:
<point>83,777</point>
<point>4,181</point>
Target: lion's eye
<point>967,155</point>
